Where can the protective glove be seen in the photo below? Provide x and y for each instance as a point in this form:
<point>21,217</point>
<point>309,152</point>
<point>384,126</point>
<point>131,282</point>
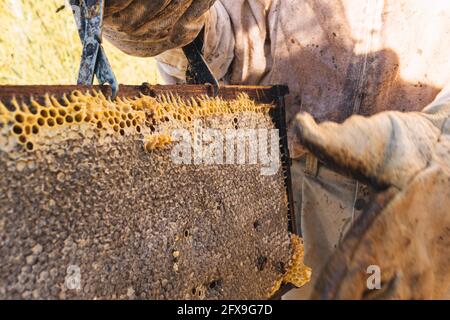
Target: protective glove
<point>403,238</point>
<point>147,28</point>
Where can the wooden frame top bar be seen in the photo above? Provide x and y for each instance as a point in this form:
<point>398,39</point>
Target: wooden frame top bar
<point>262,94</point>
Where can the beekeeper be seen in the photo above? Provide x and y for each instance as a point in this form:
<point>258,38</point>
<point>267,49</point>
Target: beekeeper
<point>339,59</point>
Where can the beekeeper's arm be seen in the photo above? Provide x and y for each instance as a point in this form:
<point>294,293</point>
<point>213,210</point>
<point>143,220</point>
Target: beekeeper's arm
<point>147,28</point>
<point>235,35</point>
<point>405,235</point>
<point>219,46</point>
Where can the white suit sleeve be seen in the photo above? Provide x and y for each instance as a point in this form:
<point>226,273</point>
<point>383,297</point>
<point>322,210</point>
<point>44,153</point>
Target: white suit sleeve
<point>219,46</point>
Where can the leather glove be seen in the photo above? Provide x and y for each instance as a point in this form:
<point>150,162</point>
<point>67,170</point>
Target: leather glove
<point>147,28</point>
<point>405,232</point>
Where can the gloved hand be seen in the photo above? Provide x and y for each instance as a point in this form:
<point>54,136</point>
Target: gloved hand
<point>147,28</point>
<point>405,232</point>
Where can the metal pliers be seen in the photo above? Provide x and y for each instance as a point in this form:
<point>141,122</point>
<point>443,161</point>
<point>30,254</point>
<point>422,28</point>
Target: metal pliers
<point>89,19</point>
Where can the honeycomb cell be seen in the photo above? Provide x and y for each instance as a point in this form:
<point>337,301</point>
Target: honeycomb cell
<point>41,121</point>
<point>29,146</point>
<point>78,117</point>
<point>50,122</point>
<point>17,129</point>
<point>19,118</point>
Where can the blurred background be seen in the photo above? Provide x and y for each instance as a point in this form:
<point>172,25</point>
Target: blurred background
<point>39,44</point>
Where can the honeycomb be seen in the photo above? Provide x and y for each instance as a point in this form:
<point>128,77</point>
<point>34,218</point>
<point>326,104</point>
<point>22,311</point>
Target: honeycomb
<point>297,272</point>
<point>88,184</point>
<point>29,126</point>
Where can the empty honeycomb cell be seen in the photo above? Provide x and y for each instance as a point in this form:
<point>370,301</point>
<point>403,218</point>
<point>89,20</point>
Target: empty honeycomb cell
<point>69,119</point>
<point>78,117</point>
<point>19,118</point>
<point>40,121</point>
<point>17,129</point>
<point>59,120</point>
<point>50,122</point>
<point>23,139</point>
<point>44,113</point>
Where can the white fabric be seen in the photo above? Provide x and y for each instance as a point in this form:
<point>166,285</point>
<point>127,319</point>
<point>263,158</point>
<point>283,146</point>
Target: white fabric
<point>338,57</point>
<point>218,51</point>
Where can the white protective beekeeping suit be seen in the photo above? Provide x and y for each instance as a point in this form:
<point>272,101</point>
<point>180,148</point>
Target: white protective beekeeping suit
<point>338,58</point>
